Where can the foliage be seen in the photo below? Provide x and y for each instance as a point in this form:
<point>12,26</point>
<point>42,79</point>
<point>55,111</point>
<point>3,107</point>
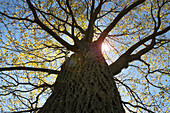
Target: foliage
<point>36,36</point>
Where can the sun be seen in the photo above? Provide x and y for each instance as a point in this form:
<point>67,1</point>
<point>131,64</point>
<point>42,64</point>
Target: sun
<point>105,47</point>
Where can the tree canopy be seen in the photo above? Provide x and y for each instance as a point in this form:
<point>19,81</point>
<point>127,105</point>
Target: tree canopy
<point>37,36</point>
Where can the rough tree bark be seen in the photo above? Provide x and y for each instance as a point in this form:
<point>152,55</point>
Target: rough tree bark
<point>85,85</point>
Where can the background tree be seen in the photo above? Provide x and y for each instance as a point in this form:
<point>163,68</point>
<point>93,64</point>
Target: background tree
<point>74,56</point>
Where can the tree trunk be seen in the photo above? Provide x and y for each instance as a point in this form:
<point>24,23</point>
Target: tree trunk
<point>84,86</point>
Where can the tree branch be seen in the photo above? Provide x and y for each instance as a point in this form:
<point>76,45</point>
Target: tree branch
<point>65,10</point>
<point>124,59</point>
<point>64,31</point>
<point>93,17</point>
<point>131,92</point>
<point>16,18</point>
<point>27,110</point>
<point>132,48</point>
<point>116,20</point>
<point>111,10</point>
<point>30,69</point>
<point>47,29</point>
<point>137,106</point>
<point>73,21</point>
<point>64,21</point>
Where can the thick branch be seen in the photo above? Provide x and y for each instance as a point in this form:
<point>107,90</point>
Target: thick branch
<point>116,20</point>
<point>97,10</point>
<point>142,52</point>
<point>135,46</point>
<point>124,59</point>
<point>26,110</point>
<point>73,21</point>
<point>30,69</point>
<point>93,17</point>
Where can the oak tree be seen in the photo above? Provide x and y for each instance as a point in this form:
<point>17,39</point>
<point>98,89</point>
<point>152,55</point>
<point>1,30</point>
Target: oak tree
<point>84,56</point>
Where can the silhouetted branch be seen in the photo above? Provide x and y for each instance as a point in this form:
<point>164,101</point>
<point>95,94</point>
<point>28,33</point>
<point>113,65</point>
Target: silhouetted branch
<point>17,18</point>
<point>93,17</point>
<point>30,69</point>
<point>137,106</point>
<point>27,110</point>
<point>47,29</point>
<point>116,20</point>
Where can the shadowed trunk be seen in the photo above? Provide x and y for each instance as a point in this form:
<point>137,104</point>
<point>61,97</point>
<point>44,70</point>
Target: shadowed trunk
<point>84,86</point>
